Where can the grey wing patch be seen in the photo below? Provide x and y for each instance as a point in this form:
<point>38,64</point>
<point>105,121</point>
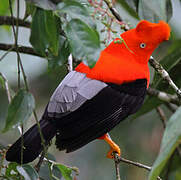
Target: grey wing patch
<point>72,92</point>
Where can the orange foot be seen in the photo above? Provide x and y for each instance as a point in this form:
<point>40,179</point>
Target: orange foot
<point>113,145</point>
<point>115,149</point>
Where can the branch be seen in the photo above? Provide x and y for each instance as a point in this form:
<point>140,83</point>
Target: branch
<point>162,116</point>
<point>164,74</point>
<point>171,107</point>
<point>116,14</point>
<point>75,169</point>
<point>6,87</point>
<point>117,167</point>
<point>119,159</point>
<point>21,49</point>
<point>113,10</point>
<point>38,165</point>
<point>70,63</point>
<point>7,20</point>
<point>168,98</point>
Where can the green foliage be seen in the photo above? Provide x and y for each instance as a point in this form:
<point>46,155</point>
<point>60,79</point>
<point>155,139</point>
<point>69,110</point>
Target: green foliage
<point>155,10</point>
<point>171,63</point>
<point>74,10</point>
<point>84,41</point>
<point>45,32</point>
<point>20,109</point>
<point>46,175</point>
<point>30,9</point>
<point>63,54</point>
<point>15,171</point>
<point>4,7</point>
<point>131,6</point>
<point>28,172</point>
<point>173,167</point>
<point>2,82</point>
<point>44,4</point>
<point>12,168</point>
<point>170,141</point>
<point>66,172</point>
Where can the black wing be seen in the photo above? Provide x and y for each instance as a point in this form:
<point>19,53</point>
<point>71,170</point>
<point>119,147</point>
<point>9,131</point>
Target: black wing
<point>98,115</point>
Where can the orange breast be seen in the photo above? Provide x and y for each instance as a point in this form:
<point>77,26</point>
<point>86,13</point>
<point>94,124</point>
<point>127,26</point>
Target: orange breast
<point>118,70</point>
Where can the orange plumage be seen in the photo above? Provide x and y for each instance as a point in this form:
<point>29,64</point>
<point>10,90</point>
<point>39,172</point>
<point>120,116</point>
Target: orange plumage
<point>119,63</point>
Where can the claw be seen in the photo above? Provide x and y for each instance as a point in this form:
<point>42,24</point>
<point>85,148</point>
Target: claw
<point>116,149</point>
<point>113,145</point>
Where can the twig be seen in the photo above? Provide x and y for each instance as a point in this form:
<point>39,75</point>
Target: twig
<point>164,74</point>
<point>171,107</point>
<point>6,87</point>
<point>24,75</point>
<point>118,177</point>
<point>3,155</point>
<point>162,116</point>
<point>168,98</point>
<point>45,148</point>
<point>6,53</point>
<point>21,49</point>
<point>7,20</point>
<point>15,32</point>
<point>70,63</point>
<point>112,14</point>
<point>116,14</point>
<point>121,159</point>
<point>113,10</point>
<point>75,169</point>
<point>38,165</point>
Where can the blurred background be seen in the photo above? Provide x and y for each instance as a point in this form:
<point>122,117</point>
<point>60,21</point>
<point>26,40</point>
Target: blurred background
<point>138,138</point>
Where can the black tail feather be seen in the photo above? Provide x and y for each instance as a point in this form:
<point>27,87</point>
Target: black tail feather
<point>32,143</point>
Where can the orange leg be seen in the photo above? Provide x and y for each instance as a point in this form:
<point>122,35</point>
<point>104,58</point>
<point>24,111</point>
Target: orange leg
<point>113,145</point>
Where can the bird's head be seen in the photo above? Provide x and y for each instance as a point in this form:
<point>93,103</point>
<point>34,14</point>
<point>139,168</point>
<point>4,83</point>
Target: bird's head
<point>143,39</point>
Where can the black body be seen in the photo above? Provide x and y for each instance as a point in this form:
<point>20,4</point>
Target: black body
<point>91,120</point>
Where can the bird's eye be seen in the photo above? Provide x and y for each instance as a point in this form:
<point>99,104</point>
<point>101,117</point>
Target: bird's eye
<point>142,45</point>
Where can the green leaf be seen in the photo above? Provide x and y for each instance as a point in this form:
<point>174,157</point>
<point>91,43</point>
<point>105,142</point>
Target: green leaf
<point>155,10</point>
<point>75,10</point>
<point>45,32</point>
<point>170,61</point>
<point>2,82</point>
<point>44,4</point>
<point>84,41</point>
<point>4,7</point>
<point>28,172</point>
<point>66,172</point>
<point>44,172</point>
<point>173,170</point>
<point>30,9</point>
<point>20,109</point>
<point>131,6</point>
<point>63,54</point>
<point>4,10</point>
<point>11,171</point>
<point>171,139</point>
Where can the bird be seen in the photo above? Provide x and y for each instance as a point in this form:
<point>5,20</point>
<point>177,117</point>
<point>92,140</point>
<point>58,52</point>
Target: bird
<point>89,102</point>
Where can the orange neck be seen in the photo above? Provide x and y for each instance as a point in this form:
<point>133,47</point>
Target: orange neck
<point>116,65</point>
